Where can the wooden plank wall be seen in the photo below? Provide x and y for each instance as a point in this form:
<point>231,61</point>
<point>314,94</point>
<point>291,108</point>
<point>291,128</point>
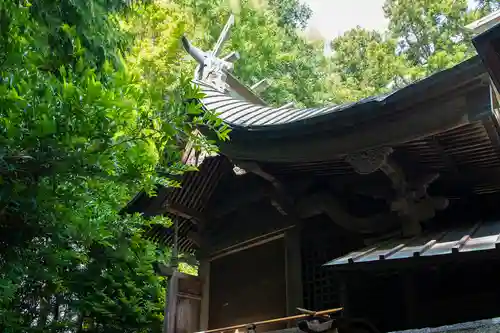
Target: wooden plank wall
<point>248,222</point>
<point>256,244</point>
<point>188,311</point>
<point>185,302</point>
<point>249,286</point>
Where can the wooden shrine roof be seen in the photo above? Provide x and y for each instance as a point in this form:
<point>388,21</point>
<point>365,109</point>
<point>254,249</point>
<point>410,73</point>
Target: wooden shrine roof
<point>446,123</point>
<point>287,134</point>
<point>185,203</point>
<point>242,114</point>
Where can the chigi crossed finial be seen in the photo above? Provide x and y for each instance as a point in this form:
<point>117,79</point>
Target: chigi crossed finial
<point>212,69</point>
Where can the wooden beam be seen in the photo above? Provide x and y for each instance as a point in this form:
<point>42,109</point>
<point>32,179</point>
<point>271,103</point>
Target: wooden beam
<point>344,295</point>
<point>235,201</point>
<point>495,94</point>
<point>171,306</point>
<point>166,309</point>
<point>324,202</point>
<point>190,296</point>
<point>185,212</point>
<point>242,90</point>
<point>252,188</point>
<point>471,178</point>
<point>497,243</point>
<point>195,237</point>
<point>485,23</point>
<point>410,298</point>
<point>204,273</point>
<point>256,169</point>
<point>272,321</point>
<point>164,270</point>
<point>492,132</point>
<point>293,263</point>
<point>485,47</point>
<point>448,160</point>
<point>263,239</point>
<point>353,258</point>
<point>453,112</point>
<point>260,86</point>
<point>456,248</point>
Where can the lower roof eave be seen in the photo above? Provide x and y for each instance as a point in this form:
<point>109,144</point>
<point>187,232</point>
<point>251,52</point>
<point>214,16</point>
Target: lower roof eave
<point>462,243</point>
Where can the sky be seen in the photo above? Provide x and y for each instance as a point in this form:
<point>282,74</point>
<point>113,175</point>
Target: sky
<point>331,18</point>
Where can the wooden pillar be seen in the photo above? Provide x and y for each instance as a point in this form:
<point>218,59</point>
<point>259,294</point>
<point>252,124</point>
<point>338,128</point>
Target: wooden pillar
<point>410,298</point>
<point>344,294</point>
<point>165,310</point>
<point>171,306</point>
<point>204,274</point>
<point>293,271</point>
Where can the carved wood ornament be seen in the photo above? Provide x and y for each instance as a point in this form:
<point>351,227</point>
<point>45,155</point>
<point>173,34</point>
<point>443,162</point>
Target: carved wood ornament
<point>411,201</point>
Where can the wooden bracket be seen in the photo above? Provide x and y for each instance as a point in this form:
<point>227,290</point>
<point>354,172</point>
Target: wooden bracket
<point>185,212</point>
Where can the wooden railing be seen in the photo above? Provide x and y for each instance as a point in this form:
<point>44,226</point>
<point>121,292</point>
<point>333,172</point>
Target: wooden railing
<point>305,314</point>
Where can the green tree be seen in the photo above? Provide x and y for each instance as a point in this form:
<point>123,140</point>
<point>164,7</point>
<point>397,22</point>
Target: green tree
<point>291,13</point>
<point>365,63</point>
<point>292,66</point>
<point>424,37</point>
<point>425,28</point>
<point>484,7</point>
<point>92,109</point>
<point>432,34</point>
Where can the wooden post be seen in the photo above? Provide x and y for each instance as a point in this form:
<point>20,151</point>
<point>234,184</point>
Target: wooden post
<point>344,294</point>
<point>204,274</point>
<point>293,271</point>
<point>165,311</point>
<point>171,306</point>
<point>410,298</point>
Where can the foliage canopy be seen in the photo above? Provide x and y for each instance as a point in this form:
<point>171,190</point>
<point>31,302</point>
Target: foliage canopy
<point>92,110</point>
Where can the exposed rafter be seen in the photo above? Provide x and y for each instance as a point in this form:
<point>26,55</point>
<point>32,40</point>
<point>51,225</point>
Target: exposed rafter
<point>282,201</point>
<point>435,143</point>
<point>185,212</point>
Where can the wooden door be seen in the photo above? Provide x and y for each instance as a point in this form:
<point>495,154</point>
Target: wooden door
<point>184,304</point>
<point>249,286</point>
